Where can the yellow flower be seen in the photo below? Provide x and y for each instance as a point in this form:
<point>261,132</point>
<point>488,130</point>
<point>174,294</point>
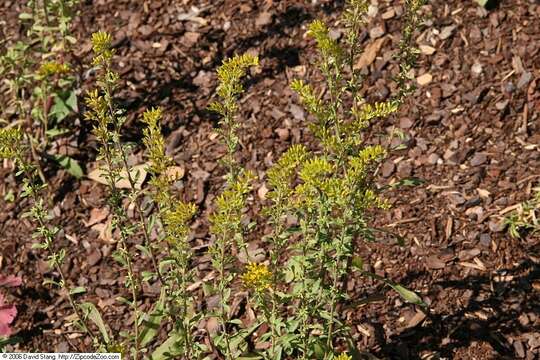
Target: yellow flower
<point>101,41</point>
<point>52,68</point>
<point>101,44</point>
<point>10,142</point>
<point>257,276</point>
<point>344,356</point>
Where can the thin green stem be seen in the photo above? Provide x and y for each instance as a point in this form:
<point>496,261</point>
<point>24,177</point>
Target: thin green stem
<point>222,284</point>
<point>25,167</point>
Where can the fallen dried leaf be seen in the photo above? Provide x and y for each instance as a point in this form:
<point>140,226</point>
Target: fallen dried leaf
<point>369,54</point>
<point>96,216</point>
<point>138,174</point>
<point>175,172</point>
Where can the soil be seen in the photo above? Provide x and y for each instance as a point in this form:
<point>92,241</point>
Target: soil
<point>469,135</point>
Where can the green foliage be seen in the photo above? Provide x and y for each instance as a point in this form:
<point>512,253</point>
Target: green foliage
<point>14,145</point>
<point>524,219</point>
<point>229,74</point>
<point>225,221</point>
<point>330,192</point>
<point>299,289</point>
<point>40,84</point>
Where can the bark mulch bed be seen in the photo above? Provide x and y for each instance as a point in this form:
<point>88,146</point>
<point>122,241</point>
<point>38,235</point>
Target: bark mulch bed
<point>470,135</point>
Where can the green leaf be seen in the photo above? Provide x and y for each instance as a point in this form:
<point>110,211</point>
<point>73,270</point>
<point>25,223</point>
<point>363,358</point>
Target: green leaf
<point>77,290</point>
<point>56,132</point>
<point>406,294</point>
<point>9,341</point>
<point>71,102</point>
<point>144,250</point>
<point>238,340</point>
<point>147,275</point>
<point>166,262</point>
<point>123,300</point>
<point>412,181</point>
<point>25,16</point>
<point>152,322</point>
<point>10,196</point>
<point>482,2</point>
<point>60,110</point>
<point>71,165</point>
<point>51,282</point>
<point>167,349</point>
<point>40,246</point>
<point>358,263</point>
<point>93,314</point>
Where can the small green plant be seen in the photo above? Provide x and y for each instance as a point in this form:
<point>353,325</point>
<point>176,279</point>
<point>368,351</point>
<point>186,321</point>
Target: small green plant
<point>525,217</point>
<point>14,146</point>
<point>40,81</point>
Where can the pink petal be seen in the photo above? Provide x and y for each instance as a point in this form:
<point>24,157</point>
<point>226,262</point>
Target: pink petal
<point>4,330</point>
<point>7,314</point>
<point>10,280</point>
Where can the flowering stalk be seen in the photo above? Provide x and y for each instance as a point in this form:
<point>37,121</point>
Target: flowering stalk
<point>226,219</point>
<point>105,116</point>
<point>174,215</point>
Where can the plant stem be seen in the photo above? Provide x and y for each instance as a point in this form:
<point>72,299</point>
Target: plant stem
<point>123,244</point>
<point>133,283</point>
<point>139,211</point>
<point>52,253</point>
<point>222,284</point>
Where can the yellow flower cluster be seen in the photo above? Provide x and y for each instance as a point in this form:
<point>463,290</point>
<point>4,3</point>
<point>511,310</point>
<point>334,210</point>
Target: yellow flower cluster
<point>257,277</point>
<point>10,140</point>
<point>51,68</point>
<point>229,75</point>
<point>329,48</point>
<point>154,142</point>
<point>176,221</point>
<point>229,204</point>
<point>344,356</point>
<point>101,44</point>
<point>101,41</point>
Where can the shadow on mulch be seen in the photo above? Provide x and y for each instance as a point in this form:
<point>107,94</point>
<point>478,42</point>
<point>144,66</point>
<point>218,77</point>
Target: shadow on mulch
<point>445,333</point>
<point>38,318</point>
<point>286,57</point>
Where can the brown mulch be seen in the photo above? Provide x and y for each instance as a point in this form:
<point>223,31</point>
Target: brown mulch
<point>470,133</point>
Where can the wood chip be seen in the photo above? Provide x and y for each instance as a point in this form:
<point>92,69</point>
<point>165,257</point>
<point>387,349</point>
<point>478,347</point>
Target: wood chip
<point>369,54</point>
<point>427,50</point>
<point>175,172</point>
<point>478,265</point>
<point>417,319</point>
<point>425,79</point>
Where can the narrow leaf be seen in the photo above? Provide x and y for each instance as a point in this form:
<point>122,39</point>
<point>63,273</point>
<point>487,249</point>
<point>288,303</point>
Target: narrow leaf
<point>407,295</point>
<point>152,322</point>
<point>71,165</point>
<point>77,290</point>
<point>93,314</point>
<point>167,349</point>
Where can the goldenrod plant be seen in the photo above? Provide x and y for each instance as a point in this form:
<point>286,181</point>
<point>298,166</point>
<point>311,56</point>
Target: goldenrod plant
<point>108,120</point>
<point>14,146</point>
<point>226,220</point>
<point>317,209</point>
<point>40,82</point>
<point>177,273</point>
